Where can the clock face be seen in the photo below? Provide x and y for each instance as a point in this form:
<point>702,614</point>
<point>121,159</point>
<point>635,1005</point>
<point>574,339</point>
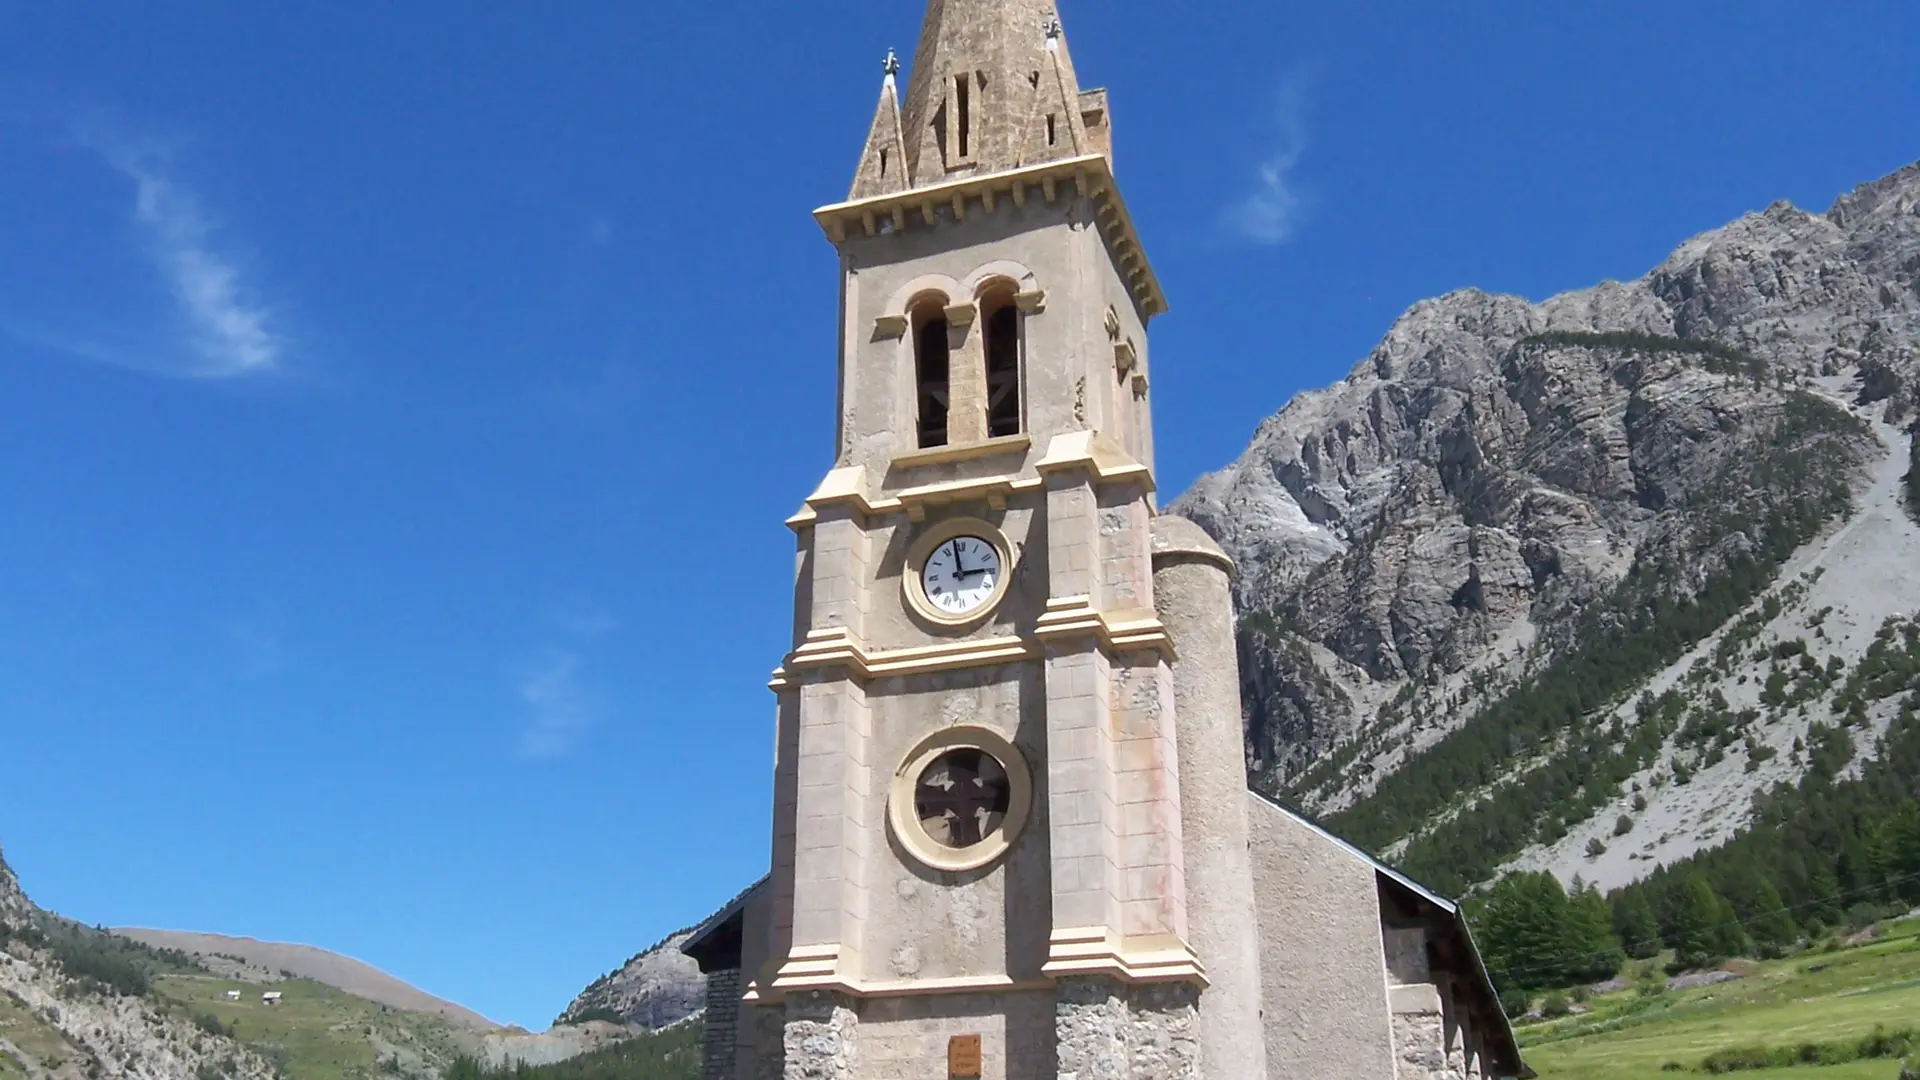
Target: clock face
<point>961,575</point>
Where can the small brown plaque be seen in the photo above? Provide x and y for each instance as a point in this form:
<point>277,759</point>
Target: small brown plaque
<point>963,1057</point>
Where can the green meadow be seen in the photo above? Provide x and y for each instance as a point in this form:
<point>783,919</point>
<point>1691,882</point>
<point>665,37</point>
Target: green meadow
<point>1816,1005</point>
<point>318,1032</point>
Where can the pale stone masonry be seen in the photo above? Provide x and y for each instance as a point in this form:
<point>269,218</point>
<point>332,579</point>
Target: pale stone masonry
<point>1012,836</point>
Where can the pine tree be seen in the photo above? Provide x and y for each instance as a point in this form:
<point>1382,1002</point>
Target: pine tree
<point>1773,929</point>
<point>1525,922</point>
<point>1729,936</point>
<point>1634,924</point>
<point>1698,934</point>
<point>1594,952</point>
<point>1823,894</point>
<point>1897,846</point>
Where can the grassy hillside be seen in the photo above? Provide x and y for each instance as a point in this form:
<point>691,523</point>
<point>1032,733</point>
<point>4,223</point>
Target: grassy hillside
<point>1822,1004</point>
<point>318,1032</point>
<point>307,962</point>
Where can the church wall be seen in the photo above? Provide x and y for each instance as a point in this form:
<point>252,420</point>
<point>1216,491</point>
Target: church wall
<point>928,924</point>
<point>1322,958</point>
<point>906,1038</point>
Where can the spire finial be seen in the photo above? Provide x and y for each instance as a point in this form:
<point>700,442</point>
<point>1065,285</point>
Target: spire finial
<point>891,65</point>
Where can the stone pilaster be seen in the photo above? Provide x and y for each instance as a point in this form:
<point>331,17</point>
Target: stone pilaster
<point>840,570</point>
<point>1119,880</point>
<point>1084,810</point>
<point>1428,1041</point>
<point>834,825</point>
<point>966,375</point>
<point>1421,1051</point>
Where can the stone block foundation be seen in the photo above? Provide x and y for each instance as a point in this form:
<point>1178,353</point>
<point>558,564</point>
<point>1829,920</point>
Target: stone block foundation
<point>1107,1031</point>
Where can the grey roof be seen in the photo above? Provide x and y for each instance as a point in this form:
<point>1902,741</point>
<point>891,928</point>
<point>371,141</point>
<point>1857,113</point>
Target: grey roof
<point>707,931</point>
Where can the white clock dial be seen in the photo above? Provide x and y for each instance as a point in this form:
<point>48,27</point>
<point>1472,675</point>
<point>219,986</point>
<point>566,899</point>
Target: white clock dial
<point>961,575</point>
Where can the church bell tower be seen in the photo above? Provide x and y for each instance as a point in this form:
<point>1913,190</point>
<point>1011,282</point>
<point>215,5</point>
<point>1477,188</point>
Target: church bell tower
<point>982,863</point>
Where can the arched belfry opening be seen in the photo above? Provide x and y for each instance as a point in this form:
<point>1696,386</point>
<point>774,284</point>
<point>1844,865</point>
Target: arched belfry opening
<point>932,372</point>
<point>1005,349</point>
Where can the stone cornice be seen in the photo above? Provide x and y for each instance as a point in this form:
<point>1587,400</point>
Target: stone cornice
<point>1125,630</point>
<point>1103,461</point>
<point>820,969</point>
<point>1115,632</point>
<point>1092,174</point>
<point>838,648</point>
<point>941,455</point>
<point>1097,455</point>
<point>1098,950</point>
<point>1094,950</point>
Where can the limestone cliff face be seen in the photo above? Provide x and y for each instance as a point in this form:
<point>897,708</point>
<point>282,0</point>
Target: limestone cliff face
<point>656,988</point>
<point>1420,537</point>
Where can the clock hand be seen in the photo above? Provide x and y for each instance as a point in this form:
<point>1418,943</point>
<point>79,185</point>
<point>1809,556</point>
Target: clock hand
<point>959,570</point>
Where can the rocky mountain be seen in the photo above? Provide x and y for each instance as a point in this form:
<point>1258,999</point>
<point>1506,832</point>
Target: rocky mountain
<point>658,987</point>
<point>69,1011</point>
<point>1541,579</point>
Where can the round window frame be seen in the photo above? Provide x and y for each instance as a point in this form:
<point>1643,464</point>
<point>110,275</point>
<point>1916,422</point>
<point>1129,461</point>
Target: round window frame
<point>904,816</point>
<point>914,583</point>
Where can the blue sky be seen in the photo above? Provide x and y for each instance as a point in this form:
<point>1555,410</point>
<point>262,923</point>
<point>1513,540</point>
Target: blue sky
<point>367,372</point>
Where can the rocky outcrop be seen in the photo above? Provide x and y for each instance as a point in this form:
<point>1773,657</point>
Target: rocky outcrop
<point>15,910</point>
<point>1421,537</point>
<point>60,1027</point>
<point>657,988</point>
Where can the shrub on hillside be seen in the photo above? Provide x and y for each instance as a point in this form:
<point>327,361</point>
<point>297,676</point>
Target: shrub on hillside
<point>99,967</point>
<point>211,1024</point>
<point>1879,1046</point>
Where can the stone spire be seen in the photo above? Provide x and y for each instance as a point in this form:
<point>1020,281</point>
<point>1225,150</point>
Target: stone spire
<point>883,166</point>
<point>992,88</point>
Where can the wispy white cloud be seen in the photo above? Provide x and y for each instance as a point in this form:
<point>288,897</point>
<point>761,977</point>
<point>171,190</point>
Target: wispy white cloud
<point>230,331</point>
<point>562,706</point>
<point>1272,210</point>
